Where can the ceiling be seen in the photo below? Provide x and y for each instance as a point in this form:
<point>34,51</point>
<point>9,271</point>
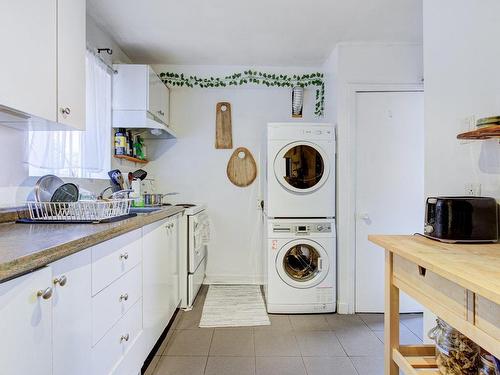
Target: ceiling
<point>256,32</point>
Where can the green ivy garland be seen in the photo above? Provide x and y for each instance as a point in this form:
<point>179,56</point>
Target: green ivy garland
<point>253,77</point>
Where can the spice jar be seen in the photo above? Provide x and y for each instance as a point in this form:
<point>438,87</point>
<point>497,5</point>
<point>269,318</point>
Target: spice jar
<point>455,353</point>
<point>487,364</point>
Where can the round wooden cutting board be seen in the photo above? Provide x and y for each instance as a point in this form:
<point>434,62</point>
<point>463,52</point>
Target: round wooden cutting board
<point>241,168</point>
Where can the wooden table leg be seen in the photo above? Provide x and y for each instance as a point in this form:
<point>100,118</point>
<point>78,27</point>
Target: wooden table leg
<point>391,317</point>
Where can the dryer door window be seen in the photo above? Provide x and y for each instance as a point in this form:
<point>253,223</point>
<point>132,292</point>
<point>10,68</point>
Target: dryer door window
<point>302,263</point>
<point>301,167</point>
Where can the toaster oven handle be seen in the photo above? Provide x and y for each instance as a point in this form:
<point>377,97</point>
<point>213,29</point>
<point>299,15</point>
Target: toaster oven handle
<point>430,211</point>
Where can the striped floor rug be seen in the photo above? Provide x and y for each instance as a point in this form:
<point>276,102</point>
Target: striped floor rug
<point>234,306</point>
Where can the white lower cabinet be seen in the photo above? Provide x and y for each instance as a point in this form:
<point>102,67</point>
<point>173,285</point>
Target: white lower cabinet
<point>26,324</point>
<point>160,277</point>
<point>71,314</point>
<point>99,311</point>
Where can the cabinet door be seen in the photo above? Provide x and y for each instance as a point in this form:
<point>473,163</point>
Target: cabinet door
<point>26,324</point>
<point>155,94</point>
<point>71,63</point>
<point>173,249</point>
<point>71,322</point>
<point>156,280</point>
<point>28,63</point>
<point>165,104</point>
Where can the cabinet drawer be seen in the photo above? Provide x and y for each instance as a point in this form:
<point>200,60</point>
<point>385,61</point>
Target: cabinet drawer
<point>444,292</point>
<point>111,303</point>
<point>113,348</point>
<point>487,316</point>
<point>113,258</point>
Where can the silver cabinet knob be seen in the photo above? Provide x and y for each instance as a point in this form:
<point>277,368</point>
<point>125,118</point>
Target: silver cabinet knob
<point>45,294</point>
<point>428,229</point>
<point>66,111</point>
<point>124,256</point>
<point>124,337</point>
<point>124,297</point>
<point>61,280</point>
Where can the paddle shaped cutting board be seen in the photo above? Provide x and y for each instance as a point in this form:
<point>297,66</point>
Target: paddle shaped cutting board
<point>223,128</point>
<point>241,168</point>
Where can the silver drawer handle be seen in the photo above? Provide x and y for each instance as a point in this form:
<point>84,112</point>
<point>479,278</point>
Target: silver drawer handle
<point>124,297</point>
<point>66,111</point>
<point>45,294</point>
<point>124,337</point>
<point>61,280</point>
<point>124,256</point>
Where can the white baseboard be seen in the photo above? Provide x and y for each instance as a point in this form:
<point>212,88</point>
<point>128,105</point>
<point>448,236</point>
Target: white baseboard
<point>234,279</point>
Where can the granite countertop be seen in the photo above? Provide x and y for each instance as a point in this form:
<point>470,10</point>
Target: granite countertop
<point>26,247</point>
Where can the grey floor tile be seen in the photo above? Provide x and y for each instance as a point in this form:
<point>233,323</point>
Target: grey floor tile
<point>368,365</point>
<point>280,366</point>
<point>152,365</point>
<point>318,344</point>
<point>338,322</point>
<point>181,366</point>
<point>278,322</point>
<point>414,322</point>
<point>232,342</point>
<point>270,343</point>
<point>192,342</point>
<point>230,366</point>
<point>406,337</point>
<point>360,342</point>
<point>312,322</point>
<point>329,366</point>
<point>374,321</point>
<point>189,320</point>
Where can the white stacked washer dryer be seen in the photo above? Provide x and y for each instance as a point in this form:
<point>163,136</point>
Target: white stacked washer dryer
<point>299,231</point>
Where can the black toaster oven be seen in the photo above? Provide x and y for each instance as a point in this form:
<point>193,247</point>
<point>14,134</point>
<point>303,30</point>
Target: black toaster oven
<point>461,219</point>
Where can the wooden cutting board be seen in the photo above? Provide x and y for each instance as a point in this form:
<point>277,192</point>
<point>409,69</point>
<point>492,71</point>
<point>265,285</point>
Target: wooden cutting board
<point>241,168</point>
<point>223,128</point>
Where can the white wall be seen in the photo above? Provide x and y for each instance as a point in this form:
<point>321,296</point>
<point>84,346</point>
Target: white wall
<point>192,166</point>
<point>353,66</point>
<point>15,183</point>
<point>462,79</point>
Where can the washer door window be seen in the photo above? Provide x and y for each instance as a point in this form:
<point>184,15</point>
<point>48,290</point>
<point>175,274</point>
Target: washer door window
<point>301,167</point>
<point>302,263</point>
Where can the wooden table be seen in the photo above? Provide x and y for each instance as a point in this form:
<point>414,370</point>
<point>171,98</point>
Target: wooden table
<point>460,283</point>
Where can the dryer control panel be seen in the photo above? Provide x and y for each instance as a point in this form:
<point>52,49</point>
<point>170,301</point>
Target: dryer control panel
<point>302,228</point>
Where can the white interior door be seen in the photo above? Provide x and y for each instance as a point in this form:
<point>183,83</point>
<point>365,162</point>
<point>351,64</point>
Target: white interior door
<point>389,185</point>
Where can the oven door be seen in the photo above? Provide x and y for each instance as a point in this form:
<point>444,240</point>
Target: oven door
<point>197,248</point>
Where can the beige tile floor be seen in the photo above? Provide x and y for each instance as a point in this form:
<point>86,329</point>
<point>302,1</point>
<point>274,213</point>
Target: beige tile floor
<point>325,344</point>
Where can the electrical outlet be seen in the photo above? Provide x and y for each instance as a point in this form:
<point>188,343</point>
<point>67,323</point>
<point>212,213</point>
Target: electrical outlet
<point>473,189</point>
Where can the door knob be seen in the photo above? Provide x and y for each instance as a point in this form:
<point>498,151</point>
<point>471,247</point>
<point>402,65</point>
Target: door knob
<point>61,280</point>
<point>45,294</point>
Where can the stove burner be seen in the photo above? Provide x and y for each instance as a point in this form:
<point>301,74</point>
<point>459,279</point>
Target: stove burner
<point>185,205</point>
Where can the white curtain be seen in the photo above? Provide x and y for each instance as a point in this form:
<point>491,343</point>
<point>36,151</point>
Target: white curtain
<point>79,153</point>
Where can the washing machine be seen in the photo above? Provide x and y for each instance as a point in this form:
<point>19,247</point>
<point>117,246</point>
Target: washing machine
<point>300,266</point>
<point>300,177</point>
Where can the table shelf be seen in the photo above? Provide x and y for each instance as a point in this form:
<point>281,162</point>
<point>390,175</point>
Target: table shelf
<point>416,359</point>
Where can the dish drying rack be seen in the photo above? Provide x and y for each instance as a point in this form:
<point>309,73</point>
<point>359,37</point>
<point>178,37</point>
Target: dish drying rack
<point>80,211</point>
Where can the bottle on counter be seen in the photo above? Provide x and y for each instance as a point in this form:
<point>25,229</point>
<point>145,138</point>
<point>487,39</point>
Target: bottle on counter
<point>120,142</point>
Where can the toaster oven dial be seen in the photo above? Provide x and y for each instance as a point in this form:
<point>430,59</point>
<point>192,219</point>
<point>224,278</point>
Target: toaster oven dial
<point>428,229</point>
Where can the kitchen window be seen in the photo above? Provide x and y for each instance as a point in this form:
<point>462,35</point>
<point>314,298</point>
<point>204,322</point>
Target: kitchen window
<point>79,154</point>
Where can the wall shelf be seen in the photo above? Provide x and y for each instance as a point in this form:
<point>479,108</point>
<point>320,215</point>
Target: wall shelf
<point>130,158</point>
<point>485,132</point>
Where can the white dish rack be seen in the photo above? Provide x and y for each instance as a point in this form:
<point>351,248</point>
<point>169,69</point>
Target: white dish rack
<point>83,211</point>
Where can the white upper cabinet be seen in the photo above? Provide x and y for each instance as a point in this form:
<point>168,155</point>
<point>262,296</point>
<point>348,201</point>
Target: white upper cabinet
<point>26,324</point>
<point>28,71</point>
<point>42,72</point>
<point>71,42</point>
<point>140,98</point>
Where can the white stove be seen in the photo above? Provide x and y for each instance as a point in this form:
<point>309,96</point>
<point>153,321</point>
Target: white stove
<point>195,235</point>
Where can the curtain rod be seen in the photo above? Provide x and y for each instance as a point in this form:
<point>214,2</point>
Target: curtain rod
<point>93,51</point>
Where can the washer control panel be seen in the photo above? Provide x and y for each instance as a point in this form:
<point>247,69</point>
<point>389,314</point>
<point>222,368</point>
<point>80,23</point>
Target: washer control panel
<point>302,228</point>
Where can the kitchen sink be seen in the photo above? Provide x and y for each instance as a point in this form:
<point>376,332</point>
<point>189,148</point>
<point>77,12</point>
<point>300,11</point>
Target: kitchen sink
<point>143,210</point>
